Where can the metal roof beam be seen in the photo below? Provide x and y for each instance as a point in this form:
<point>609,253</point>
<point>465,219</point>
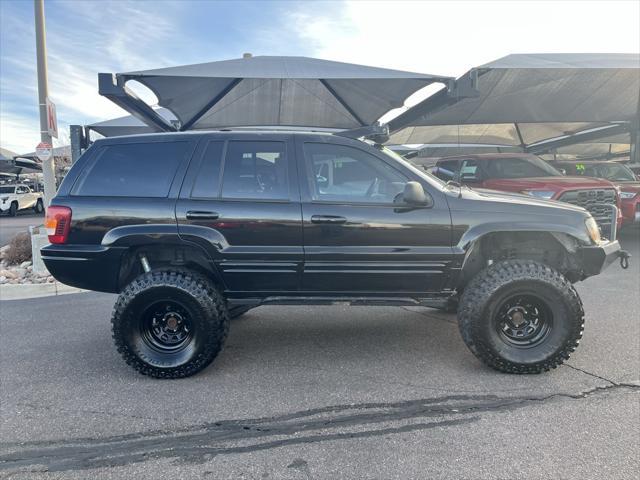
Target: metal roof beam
<point>113,87</point>
<point>545,146</point>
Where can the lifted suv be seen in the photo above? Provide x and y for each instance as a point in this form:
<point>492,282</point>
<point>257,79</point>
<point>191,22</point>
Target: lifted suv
<point>192,229</point>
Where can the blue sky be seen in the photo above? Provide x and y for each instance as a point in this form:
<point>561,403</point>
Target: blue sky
<point>85,37</point>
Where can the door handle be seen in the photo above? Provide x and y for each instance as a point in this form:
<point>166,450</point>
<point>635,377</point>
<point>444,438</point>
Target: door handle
<point>202,215</point>
<point>333,219</point>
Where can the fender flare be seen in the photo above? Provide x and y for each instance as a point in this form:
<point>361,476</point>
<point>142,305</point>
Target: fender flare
<point>467,253</point>
<point>205,240</point>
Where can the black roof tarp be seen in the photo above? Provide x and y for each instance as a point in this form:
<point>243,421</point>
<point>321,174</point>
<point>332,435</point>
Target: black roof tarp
<point>568,92</point>
<point>285,91</point>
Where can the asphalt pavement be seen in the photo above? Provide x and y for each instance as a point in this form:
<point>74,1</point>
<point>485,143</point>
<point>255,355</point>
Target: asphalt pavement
<point>320,392</point>
<point>10,226</point>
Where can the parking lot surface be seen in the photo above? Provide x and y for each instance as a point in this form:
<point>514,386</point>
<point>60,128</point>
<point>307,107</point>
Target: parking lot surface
<point>10,226</point>
<point>321,392</point>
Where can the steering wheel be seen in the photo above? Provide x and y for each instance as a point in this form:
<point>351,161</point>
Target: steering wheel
<point>372,188</point>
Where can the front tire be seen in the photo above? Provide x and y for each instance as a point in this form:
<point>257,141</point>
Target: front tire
<point>521,316</point>
<point>13,209</point>
<point>170,324</point>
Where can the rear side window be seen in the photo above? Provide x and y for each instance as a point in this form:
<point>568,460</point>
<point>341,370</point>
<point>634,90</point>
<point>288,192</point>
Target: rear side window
<point>256,170</point>
<point>207,183</point>
<point>132,170</point>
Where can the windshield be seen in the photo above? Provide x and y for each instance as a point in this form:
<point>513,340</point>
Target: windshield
<point>610,171</point>
<point>7,189</point>
<point>426,175</point>
<point>520,167</point>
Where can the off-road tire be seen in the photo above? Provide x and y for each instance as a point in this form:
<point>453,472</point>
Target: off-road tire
<point>235,312</point>
<point>13,209</point>
<point>38,207</point>
<point>209,323</point>
<point>485,294</point>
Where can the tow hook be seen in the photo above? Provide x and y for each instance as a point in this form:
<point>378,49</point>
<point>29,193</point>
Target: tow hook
<point>624,258</point>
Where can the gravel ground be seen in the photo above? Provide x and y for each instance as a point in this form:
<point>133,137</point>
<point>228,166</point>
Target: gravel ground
<point>320,392</point>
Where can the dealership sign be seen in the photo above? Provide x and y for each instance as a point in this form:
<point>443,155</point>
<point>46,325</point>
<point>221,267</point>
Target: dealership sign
<point>52,122</point>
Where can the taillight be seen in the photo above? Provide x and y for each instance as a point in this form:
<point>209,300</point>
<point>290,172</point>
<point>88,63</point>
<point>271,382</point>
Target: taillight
<point>57,223</point>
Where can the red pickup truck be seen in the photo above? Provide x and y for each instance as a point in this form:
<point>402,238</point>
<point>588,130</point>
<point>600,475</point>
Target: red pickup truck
<point>530,175</point>
<point>618,174</point>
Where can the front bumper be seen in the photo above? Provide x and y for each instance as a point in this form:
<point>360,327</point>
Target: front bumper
<point>596,258</point>
<point>91,267</point>
<point>631,210</point>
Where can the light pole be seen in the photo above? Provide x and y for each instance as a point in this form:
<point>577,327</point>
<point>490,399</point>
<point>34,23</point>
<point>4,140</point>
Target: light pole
<point>48,168</point>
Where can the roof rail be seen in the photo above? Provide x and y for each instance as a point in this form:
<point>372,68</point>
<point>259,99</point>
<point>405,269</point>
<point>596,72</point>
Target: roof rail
<point>376,133</point>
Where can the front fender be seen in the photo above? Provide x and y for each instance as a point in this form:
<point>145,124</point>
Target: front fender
<point>482,229</point>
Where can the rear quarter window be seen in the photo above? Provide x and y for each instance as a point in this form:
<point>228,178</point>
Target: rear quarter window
<point>132,170</point>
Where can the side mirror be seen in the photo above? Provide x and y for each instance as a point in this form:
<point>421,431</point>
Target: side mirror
<point>414,194</point>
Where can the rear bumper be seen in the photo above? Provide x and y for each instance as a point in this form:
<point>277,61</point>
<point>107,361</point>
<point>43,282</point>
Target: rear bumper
<point>598,257</point>
<point>91,267</point>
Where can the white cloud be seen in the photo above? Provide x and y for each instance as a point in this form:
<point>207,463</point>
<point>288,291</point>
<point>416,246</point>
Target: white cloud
<point>441,37</point>
<point>450,37</point>
<point>86,38</point>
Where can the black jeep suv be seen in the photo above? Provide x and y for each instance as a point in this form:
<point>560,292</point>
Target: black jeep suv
<point>192,229</point>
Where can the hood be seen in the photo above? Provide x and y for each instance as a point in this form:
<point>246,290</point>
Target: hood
<point>517,199</point>
<point>550,183</point>
<point>629,186</point>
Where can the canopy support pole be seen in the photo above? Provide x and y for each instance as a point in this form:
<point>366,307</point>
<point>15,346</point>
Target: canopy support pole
<point>522,144</point>
<point>113,88</point>
<point>189,123</point>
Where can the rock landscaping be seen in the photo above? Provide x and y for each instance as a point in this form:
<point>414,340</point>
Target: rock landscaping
<point>22,273</point>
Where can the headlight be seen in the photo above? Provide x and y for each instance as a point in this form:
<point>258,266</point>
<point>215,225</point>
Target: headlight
<point>546,194</point>
<point>627,195</point>
<point>593,230</point>
<point>4,199</point>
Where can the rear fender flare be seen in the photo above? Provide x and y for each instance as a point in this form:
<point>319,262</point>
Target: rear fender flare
<point>152,235</point>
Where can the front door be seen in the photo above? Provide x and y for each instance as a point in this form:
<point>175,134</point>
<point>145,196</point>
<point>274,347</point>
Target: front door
<point>238,195</point>
<point>357,237</point>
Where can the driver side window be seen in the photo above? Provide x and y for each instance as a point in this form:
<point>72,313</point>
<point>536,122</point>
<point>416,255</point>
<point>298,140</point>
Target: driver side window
<point>338,173</point>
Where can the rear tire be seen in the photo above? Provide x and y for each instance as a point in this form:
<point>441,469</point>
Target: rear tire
<point>38,207</point>
<point>521,316</point>
<point>170,324</point>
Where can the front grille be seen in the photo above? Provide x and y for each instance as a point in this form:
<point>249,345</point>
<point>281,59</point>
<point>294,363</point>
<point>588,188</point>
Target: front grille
<point>590,199</point>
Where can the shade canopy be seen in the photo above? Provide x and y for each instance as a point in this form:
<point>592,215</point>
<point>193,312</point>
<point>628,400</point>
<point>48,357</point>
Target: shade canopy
<point>537,88</point>
<point>127,125</point>
<point>267,90</point>
<point>19,166</point>
<point>511,134</point>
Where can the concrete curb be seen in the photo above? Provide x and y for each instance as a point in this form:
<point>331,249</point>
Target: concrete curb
<point>36,290</point>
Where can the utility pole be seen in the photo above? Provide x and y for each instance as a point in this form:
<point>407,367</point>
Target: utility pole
<point>48,168</point>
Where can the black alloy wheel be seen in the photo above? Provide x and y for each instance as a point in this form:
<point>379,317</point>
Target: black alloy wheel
<point>524,320</point>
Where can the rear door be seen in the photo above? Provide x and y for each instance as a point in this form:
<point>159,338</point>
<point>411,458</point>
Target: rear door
<point>239,203</point>
<point>357,240</point>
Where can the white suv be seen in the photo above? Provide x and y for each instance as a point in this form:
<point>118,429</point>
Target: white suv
<point>19,197</point>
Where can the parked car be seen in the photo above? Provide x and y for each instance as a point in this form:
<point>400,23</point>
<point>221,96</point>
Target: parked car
<point>14,198</point>
<point>618,174</point>
<point>530,175</point>
<point>192,229</point>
